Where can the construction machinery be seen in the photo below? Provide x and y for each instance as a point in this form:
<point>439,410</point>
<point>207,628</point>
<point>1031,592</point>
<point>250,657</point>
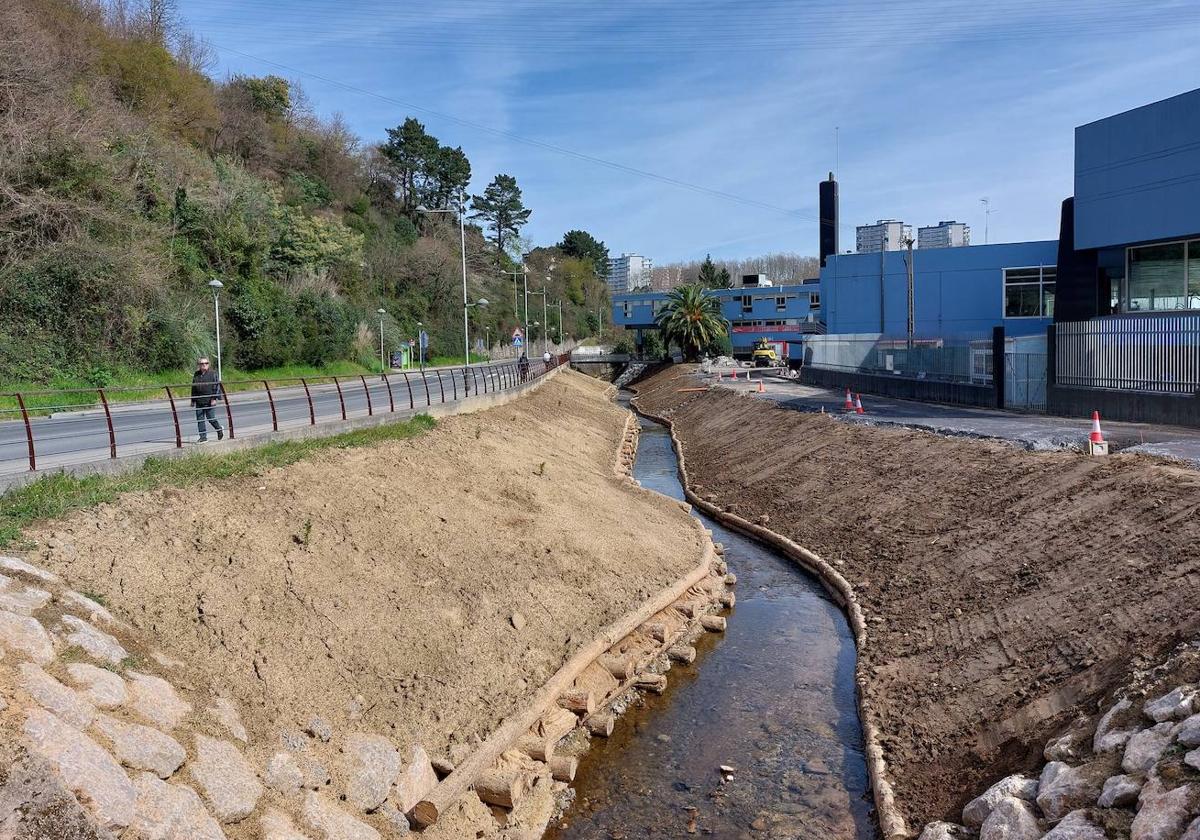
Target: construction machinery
<point>764,354</point>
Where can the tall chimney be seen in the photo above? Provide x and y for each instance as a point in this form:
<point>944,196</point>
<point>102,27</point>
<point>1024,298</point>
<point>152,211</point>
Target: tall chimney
<point>829,219</point>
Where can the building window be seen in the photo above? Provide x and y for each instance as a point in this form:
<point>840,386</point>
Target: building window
<point>747,303</point>
<point>1163,277</point>
<point>625,310</point>
<point>781,304</point>
<point>814,300</point>
<point>1029,292</point>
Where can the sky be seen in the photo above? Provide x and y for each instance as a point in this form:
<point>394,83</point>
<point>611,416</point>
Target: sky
<point>677,128</point>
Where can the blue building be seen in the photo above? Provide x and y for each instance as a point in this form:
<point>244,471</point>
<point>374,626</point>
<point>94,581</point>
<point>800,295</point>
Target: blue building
<point>957,292</point>
<point>779,313</point>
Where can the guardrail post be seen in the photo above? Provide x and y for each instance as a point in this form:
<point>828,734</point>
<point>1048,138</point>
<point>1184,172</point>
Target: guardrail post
<point>28,433</point>
<point>312,414</point>
<point>453,385</point>
<point>441,385</point>
<point>112,436</point>
<point>228,408</point>
<point>367,391</point>
<point>175,417</point>
<point>271,400</point>
<point>425,382</point>
<point>391,400</point>
<point>341,399</point>
<point>483,376</point>
<point>409,385</point>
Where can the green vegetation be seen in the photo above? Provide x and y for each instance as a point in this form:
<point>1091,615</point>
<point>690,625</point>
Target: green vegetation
<point>712,277</point>
<point>56,495</point>
<point>131,179</point>
<point>692,320</point>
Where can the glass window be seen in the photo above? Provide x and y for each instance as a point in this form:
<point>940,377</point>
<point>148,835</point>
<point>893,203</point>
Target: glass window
<point>747,303</point>
<point>1029,292</point>
<point>1156,278</point>
<point>780,304</point>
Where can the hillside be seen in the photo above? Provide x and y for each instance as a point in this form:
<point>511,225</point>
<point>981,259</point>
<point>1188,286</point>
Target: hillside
<point>129,179</point>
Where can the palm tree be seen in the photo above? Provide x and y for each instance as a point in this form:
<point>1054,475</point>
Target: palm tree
<point>692,319</point>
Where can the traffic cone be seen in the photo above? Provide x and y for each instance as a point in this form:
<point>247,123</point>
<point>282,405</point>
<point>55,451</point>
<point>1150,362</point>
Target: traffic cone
<point>1096,436</point>
<point>849,405</point>
<point>761,389</point>
<point>858,409</point>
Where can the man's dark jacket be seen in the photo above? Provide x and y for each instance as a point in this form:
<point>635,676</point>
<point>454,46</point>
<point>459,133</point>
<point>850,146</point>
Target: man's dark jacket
<point>205,388</point>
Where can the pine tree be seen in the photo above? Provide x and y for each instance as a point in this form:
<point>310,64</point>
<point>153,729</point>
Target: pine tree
<point>501,207</point>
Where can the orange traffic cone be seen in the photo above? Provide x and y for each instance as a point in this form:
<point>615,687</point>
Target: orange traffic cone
<point>761,389</point>
<point>1096,436</point>
<point>858,409</point>
<point>849,405</point>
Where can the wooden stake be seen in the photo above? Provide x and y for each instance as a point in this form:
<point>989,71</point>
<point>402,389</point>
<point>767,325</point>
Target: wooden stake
<point>656,683</point>
<point>619,666</point>
<point>580,702</point>
<point>501,787</point>
<point>536,746</point>
<point>713,623</point>
<point>563,767</point>
<point>556,724</point>
<point>601,724</point>
<point>682,653</point>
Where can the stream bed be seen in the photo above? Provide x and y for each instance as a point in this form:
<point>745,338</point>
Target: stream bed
<point>773,697</point>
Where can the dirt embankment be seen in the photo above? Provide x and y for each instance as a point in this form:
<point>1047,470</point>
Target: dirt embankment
<point>420,589</point>
<point>1004,590</point>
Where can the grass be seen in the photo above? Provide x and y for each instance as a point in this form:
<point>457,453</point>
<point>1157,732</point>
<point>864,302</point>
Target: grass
<point>54,496</point>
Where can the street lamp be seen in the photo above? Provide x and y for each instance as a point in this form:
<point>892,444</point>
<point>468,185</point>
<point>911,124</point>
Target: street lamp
<point>420,346</point>
<point>462,239</point>
<point>560,324</point>
<point>466,308</point>
<point>382,364</point>
<point>216,286</point>
<point>545,319</point>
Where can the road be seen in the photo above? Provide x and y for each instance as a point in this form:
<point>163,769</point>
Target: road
<point>1030,431</point>
<point>76,437</point>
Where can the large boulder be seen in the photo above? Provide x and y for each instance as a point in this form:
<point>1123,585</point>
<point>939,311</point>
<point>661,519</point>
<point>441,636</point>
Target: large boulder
<point>1193,831</point>
<point>25,635</point>
<point>171,812</point>
<point>226,779</point>
<point>99,685</point>
<point>945,831</point>
<point>1075,826</point>
<point>1162,814</point>
<point>142,747</point>
<point>156,700</point>
<point>1119,791</point>
<point>1011,819</point>
<point>1145,748</point>
<point>372,765</point>
<point>1064,788</point>
<point>1188,732</point>
<point>1109,736</point>
<point>980,807</point>
<point>52,695</point>
<point>332,823</point>
<point>1176,704</point>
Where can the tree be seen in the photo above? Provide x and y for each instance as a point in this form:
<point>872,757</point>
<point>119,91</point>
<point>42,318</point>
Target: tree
<point>712,277</point>
<point>501,207</point>
<point>692,319</point>
<point>582,245</point>
<point>410,152</point>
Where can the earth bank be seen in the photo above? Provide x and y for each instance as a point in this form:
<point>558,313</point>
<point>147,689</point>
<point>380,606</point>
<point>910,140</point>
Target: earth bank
<point>1006,592</point>
<point>343,612</point>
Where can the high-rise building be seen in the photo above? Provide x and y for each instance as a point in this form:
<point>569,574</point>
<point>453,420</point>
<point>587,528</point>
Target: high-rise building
<point>944,235</point>
<point>884,235</point>
<point>628,272</point>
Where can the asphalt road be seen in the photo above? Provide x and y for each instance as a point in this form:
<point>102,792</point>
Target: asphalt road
<point>75,437</point>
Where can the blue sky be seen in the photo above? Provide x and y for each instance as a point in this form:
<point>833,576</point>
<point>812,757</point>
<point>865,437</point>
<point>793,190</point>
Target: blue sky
<point>936,103</point>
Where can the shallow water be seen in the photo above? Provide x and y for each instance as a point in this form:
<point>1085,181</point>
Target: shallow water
<point>773,697</point>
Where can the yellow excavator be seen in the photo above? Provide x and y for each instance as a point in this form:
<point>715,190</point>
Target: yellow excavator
<point>764,354</point>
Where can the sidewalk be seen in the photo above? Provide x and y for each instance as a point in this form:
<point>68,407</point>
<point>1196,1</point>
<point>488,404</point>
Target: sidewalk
<point>1029,431</point>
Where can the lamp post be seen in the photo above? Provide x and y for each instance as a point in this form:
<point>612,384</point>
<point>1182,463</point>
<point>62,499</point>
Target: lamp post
<point>545,319</point>
<point>420,346</point>
<point>462,239</point>
<point>216,286</point>
<point>560,323</point>
<point>382,363</point>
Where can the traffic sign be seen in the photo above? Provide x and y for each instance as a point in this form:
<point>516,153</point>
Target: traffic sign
<point>518,337</point>
<point>424,340</point>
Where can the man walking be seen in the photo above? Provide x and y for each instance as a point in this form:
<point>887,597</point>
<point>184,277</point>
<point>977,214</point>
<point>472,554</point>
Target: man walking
<point>205,390</point>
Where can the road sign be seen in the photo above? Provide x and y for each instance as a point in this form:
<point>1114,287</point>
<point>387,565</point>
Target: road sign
<point>412,342</point>
<point>424,340</point>
<point>518,337</point>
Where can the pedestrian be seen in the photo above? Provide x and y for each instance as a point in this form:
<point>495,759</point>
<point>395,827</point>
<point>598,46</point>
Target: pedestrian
<point>523,366</point>
<point>205,390</point>
<point>546,359</point>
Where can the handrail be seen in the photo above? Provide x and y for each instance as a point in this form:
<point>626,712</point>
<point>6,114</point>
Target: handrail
<point>60,426</point>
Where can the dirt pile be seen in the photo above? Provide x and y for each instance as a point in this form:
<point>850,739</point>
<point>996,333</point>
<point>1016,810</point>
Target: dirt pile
<point>421,589</point>
<point>1005,591</point>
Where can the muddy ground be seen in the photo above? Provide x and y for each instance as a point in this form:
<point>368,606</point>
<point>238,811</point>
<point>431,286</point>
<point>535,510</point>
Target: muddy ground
<point>1004,590</point>
<point>377,587</point>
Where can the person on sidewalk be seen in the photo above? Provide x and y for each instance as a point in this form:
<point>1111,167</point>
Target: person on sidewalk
<point>523,367</point>
<point>546,359</point>
<point>205,390</point>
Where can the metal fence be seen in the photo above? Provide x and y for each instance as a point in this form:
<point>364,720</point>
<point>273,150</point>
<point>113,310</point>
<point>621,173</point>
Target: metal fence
<point>964,359</point>
<point>1149,353</point>
<point>42,429</point>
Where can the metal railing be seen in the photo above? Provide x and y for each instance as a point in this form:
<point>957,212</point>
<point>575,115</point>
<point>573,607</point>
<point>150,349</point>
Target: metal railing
<point>40,429</point>
<point>1150,353</point>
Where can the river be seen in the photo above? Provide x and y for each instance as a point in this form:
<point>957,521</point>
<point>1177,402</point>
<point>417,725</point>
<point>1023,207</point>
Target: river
<point>773,698</point>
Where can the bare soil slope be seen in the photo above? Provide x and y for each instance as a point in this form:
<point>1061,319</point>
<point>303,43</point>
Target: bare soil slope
<point>1004,590</point>
<point>376,587</point>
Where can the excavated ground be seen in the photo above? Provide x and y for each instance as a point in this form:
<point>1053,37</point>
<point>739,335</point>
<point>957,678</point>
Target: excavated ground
<point>1005,591</point>
<point>377,587</point>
